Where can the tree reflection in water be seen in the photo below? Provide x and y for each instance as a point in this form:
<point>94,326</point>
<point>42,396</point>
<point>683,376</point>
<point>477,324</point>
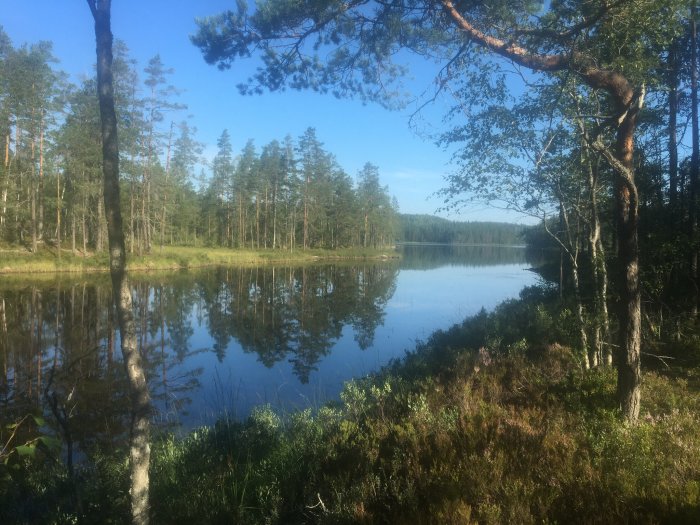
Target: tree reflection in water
<point>295,313</point>
<point>58,340</point>
<point>430,256</point>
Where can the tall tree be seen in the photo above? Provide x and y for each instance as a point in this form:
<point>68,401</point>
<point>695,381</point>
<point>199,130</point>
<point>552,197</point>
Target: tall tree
<point>222,188</point>
<point>351,48</point>
<point>158,101</point>
<point>375,205</point>
<point>131,124</point>
<point>82,162</point>
<point>31,97</point>
<point>273,172</point>
<point>140,451</point>
<point>186,152</point>
<point>695,155</point>
<point>315,167</point>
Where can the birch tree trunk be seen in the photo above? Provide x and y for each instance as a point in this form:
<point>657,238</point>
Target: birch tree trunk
<point>140,398</point>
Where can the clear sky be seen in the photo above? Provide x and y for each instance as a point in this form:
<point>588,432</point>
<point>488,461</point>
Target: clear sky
<point>409,161</point>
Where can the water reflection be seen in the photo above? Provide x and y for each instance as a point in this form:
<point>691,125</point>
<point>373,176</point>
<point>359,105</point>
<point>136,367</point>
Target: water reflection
<point>229,338</point>
<point>58,340</point>
<point>58,351</point>
<point>432,256</point>
<point>294,313</point>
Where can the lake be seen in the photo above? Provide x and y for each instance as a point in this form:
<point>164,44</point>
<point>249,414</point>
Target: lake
<point>218,341</point>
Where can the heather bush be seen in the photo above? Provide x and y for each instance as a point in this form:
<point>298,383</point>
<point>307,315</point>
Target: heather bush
<point>492,421</point>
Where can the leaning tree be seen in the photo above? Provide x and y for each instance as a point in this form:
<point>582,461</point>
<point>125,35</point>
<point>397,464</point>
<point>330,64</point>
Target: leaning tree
<point>357,48</point>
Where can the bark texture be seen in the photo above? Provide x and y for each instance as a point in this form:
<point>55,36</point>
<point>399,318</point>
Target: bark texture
<point>140,398</point>
<point>627,104</point>
<point>695,157</point>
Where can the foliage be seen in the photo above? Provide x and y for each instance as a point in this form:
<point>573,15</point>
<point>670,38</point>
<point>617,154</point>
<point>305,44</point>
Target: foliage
<point>467,428</point>
<point>290,194</point>
<point>428,228</point>
<point>13,449</point>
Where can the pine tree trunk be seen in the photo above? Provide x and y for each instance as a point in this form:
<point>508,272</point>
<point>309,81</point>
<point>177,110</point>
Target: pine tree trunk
<point>241,223</point>
<point>628,362</point>
<point>257,220</point>
<point>32,197</point>
<point>98,229</point>
<point>40,192</point>
<point>132,218</point>
<point>6,182</point>
<point>366,232</point>
<point>143,243</point>
<point>165,190</point>
<point>274,216</point>
<point>694,159</point>
<point>306,214</point>
<point>85,230</point>
<point>58,215</point>
<point>265,218</point>
<point>73,233</point>
<point>18,186</point>
<point>673,68</point>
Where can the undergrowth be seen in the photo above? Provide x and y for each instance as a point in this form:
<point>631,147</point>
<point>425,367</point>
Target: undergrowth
<point>492,421</point>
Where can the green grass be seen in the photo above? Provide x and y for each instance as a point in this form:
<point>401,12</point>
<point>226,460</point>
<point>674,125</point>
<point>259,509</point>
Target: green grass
<point>46,261</point>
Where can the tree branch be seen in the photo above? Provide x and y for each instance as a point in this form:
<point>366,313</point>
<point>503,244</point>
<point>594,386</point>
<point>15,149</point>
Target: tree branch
<point>586,23</point>
<point>93,7</point>
<point>612,82</point>
<point>509,50</point>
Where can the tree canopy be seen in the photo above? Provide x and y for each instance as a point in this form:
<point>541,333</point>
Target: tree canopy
<point>608,50</point>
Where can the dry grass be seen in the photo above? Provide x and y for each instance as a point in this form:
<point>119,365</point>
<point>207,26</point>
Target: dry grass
<point>46,261</point>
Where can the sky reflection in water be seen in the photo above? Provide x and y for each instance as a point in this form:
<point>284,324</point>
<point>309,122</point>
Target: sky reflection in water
<point>218,342</point>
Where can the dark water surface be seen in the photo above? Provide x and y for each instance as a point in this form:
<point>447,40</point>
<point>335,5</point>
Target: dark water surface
<point>220,341</point>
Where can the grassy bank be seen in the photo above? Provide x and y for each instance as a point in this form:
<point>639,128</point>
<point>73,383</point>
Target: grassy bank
<point>173,258</point>
<point>492,421</point>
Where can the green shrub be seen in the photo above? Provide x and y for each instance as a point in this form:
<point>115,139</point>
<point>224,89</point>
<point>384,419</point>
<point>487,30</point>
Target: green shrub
<point>492,421</point>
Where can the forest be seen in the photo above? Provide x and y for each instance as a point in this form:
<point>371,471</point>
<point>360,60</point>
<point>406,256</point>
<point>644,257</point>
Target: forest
<point>579,402</point>
<point>584,117</point>
<point>429,228</point>
<point>290,194</point>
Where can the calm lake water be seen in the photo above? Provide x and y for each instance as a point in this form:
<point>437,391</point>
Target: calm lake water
<point>220,341</point>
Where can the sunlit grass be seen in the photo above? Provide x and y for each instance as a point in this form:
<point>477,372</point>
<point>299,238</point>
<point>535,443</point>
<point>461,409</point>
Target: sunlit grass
<point>46,261</point>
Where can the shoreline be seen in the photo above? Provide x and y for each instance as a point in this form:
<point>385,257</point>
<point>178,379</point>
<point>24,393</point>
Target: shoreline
<point>46,262</point>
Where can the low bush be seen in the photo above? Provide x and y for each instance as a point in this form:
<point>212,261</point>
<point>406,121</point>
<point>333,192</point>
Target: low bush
<point>492,421</point>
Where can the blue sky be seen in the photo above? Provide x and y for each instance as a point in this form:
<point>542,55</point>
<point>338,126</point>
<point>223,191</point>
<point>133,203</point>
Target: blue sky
<point>409,162</point>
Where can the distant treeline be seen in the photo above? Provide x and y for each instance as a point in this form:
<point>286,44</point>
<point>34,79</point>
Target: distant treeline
<point>288,194</point>
<point>427,228</point>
